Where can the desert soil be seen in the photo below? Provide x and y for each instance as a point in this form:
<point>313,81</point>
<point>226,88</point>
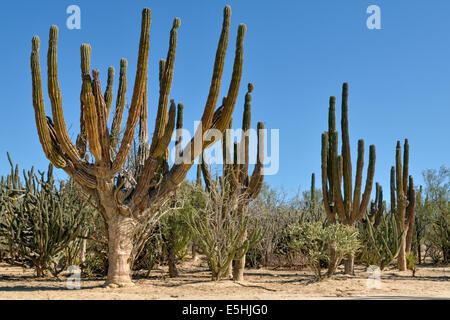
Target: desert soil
<point>194,282</point>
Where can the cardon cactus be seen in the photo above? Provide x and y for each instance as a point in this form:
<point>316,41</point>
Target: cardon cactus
<point>349,207</point>
<point>236,187</point>
<point>403,199</point>
<point>41,221</point>
<point>126,201</point>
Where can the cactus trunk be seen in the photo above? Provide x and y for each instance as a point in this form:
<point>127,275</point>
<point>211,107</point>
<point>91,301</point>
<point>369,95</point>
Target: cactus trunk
<point>239,264</point>
<point>120,235</point>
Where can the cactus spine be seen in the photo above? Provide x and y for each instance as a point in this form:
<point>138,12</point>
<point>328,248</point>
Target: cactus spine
<point>403,198</point>
<point>126,202</point>
<point>348,208</point>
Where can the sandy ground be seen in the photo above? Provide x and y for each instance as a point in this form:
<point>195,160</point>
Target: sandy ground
<point>194,283</point>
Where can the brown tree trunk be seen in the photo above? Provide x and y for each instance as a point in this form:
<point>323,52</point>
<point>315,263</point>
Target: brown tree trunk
<point>120,237</point>
<point>238,269</point>
<point>349,265</point>
<point>173,272</point>
<point>401,260</point>
<point>194,252</point>
<point>239,264</point>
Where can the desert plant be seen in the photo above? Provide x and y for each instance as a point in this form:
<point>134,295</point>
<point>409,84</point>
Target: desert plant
<point>41,222</point>
<point>437,212</point>
<point>338,168</point>
<point>381,242</point>
<point>219,231</point>
<point>318,242</point>
<point>236,181</point>
<point>403,197</point>
<point>411,261</point>
<point>125,202</point>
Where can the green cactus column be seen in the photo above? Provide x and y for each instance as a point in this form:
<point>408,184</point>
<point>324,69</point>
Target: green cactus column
<point>403,199</point>
<point>344,207</point>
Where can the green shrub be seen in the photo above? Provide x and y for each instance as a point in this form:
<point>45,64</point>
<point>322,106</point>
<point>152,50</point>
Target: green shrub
<point>323,243</point>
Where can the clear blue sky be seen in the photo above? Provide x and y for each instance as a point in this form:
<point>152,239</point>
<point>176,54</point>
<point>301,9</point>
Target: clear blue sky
<point>297,53</point>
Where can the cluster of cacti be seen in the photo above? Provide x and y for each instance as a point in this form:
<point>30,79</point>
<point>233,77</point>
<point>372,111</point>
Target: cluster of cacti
<point>382,239</point>
<point>348,206</point>
<point>41,222</point>
<point>403,198</point>
<point>123,200</point>
<point>235,189</point>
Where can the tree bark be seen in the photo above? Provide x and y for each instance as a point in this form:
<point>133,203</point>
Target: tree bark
<point>239,264</point>
<point>349,265</point>
<point>120,243</point>
<point>194,252</point>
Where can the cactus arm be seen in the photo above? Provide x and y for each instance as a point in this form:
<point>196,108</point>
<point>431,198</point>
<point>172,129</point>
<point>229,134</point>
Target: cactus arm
<point>358,179</point>
<point>246,120</point>
<point>136,101</point>
<point>55,98</point>
<point>399,188</point>
<point>233,88</point>
<point>166,76</point>
<point>88,101</point>
<point>392,186</point>
<point>108,96</point>
<point>219,62</point>
<point>164,141</point>
<point>101,110</point>
<point>179,127</point>
<point>178,172</point>
<point>410,209</point>
<point>331,129</point>
<point>120,103</point>
<point>369,182</point>
<point>143,129</point>
<point>346,157</point>
<point>257,177</point>
<point>405,166</point>
<point>324,167</point>
<point>39,109</point>
<point>338,201</point>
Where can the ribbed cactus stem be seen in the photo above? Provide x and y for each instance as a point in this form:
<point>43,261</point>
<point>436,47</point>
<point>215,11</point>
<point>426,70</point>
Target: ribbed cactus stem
<point>165,85</point>
<point>108,96</point>
<point>313,187</point>
<point>179,127</point>
<point>405,166</point>
<point>120,103</point>
<point>88,101</point>
<point>136,100</point>
<point>219,62</point>
<point>38,103</point>
<point>55,97</point>
<point>101,116</point>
